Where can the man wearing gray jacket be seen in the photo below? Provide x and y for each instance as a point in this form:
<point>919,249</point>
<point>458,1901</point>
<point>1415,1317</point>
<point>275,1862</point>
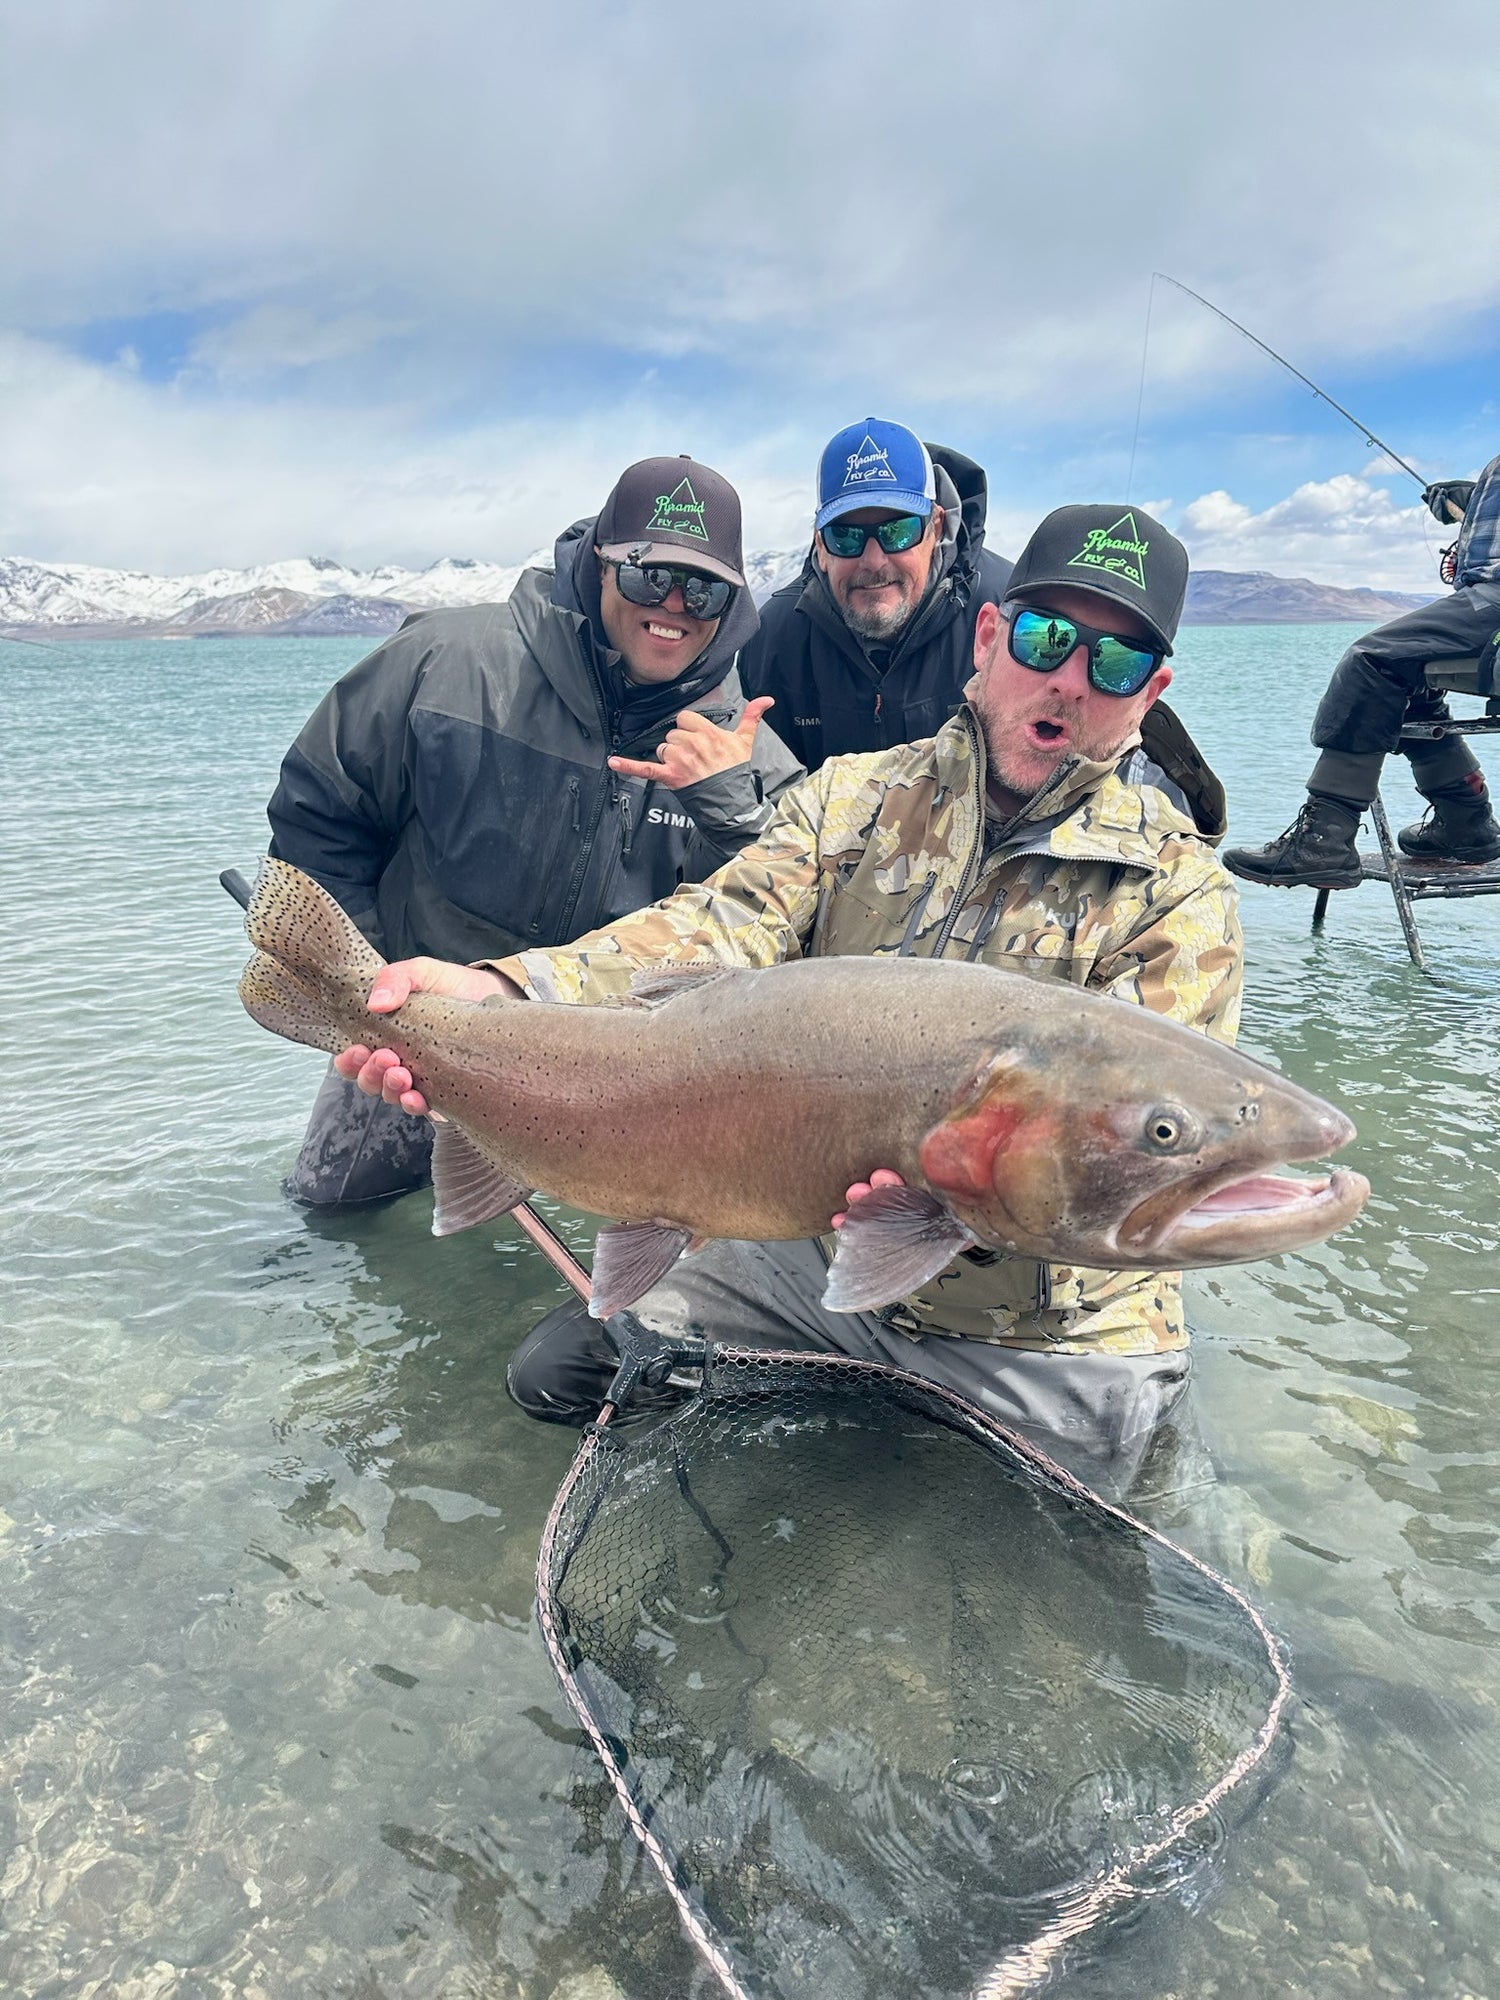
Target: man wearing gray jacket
<point>507,776</point>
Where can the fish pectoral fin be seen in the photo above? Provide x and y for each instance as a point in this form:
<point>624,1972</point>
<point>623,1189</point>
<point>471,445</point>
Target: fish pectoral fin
<point>655,984</point>
<point>467,1188</point>
<point>893,1240</point>
<point>629,1257</point>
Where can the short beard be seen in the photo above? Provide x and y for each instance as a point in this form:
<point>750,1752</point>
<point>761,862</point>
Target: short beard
<point>874,624</point>
<point>1023,785</point>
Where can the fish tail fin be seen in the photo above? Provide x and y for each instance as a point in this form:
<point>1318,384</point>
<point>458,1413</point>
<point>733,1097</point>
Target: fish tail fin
<point>312,970</point>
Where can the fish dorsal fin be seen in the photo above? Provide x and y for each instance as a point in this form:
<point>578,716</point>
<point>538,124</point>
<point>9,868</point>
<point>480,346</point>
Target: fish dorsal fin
<point>654,984</point>
<point>467,1188</point>
<point>629,1257</point>
<point>893,1240</point>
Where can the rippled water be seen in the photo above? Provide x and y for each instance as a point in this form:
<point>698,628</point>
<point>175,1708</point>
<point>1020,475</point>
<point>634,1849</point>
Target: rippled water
<point>278,1720</point>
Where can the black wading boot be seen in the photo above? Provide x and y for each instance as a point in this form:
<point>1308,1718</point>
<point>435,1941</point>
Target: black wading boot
<point>1459,827</point>
<point>1316,851</point>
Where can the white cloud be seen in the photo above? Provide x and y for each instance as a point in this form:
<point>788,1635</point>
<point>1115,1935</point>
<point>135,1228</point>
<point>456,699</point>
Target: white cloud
<point>440,272</point>
<point>271,338</point>
<point>103,467</point>
<point>1342,530</point>
<point>677,181</point>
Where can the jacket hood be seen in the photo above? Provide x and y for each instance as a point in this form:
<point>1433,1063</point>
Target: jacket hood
<point>971,490</point>
<point>576,588</point>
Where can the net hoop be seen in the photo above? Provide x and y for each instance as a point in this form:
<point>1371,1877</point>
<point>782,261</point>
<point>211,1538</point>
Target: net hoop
<point>1025,1969</point>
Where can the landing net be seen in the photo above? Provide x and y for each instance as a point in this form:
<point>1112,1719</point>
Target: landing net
<point>893,1704</point>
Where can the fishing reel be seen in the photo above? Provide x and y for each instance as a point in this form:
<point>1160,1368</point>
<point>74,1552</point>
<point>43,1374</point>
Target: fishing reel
<point>1448,562</point>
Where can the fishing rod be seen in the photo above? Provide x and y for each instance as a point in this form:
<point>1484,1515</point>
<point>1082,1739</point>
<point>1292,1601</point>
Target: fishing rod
<point>1265,347</point>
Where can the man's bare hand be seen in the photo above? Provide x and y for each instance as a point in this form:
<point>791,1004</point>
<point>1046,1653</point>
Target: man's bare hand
<point>695,748</point>
<point>882,1177</point>
<point>381,1072</point>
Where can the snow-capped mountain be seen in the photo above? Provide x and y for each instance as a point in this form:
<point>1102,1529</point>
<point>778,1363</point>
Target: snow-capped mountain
<point>314,594</point>
<point>80,595</point>
<point>302,594</point>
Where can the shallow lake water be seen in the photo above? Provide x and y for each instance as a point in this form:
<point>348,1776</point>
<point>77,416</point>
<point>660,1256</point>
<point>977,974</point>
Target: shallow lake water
<point>278,1720</point>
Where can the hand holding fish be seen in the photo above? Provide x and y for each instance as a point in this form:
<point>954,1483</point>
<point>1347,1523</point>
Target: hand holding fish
<point>882,1177</point>
<point>1028,1116</point>
<point>381,1072</point>
<point>695,748</point>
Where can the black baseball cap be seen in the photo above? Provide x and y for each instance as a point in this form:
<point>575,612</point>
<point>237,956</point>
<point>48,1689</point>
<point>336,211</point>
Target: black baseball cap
<point>1120,552</point>
<point>673,510</point>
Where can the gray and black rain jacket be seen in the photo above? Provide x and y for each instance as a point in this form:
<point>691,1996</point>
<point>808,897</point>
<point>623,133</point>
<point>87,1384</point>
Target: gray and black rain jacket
<point>451,791</point>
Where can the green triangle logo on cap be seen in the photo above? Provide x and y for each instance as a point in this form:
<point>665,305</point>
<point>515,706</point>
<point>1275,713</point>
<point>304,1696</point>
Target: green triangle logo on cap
<point>1119,550</point>
<point>679,512</point>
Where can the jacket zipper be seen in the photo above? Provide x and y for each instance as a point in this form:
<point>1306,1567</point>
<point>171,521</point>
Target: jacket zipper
<point>971,861</point>
<point>1064,770</point>
<point>908,942</point>
<point>567,925</point>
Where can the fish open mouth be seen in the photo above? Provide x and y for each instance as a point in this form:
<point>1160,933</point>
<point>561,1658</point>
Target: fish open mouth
<point>1257,1215</point>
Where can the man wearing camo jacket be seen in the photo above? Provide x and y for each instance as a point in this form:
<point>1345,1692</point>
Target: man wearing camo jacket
<point>1027,833</point>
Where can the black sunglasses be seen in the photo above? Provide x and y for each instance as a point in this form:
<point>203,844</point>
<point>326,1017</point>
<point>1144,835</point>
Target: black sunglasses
<point>1042,640</point>
<point>848,538</point>
<point>703,597</point>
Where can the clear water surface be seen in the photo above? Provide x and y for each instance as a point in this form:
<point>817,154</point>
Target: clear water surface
<point>278,1720</point>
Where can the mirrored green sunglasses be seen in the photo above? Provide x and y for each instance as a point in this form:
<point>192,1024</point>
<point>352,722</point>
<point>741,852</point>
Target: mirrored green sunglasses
<point>847,538</point>
<point>1042,640</point>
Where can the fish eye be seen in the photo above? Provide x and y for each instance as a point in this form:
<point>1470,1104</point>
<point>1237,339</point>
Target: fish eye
<point>1169,1128</point>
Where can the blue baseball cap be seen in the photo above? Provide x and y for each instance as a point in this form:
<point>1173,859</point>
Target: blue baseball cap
<point>875,464</point>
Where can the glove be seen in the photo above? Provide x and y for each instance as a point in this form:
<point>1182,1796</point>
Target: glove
<point>1447,500</point>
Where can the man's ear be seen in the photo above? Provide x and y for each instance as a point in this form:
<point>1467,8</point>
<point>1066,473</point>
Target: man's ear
<point>820,554</point>
<point>987,629</point>
<point>1158,684</point>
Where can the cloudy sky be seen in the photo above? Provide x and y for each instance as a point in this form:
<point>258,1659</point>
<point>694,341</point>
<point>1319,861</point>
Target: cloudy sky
<point>389,282</point>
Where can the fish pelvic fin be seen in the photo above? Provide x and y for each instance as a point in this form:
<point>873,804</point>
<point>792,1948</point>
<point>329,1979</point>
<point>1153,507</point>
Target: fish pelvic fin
<point>893,1240</point>
<point>467,1187</point>
<point>310,962</point>
<point>629,1257</point>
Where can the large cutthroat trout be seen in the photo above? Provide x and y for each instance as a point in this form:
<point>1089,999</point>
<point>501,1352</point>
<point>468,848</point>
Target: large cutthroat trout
<point>1023,1114</point>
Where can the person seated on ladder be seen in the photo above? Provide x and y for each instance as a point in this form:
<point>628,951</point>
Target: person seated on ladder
<point>1377,686</point>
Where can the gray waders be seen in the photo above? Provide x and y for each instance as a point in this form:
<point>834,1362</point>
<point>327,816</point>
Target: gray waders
<point>1121,1423</point>
<point>358,1149</point>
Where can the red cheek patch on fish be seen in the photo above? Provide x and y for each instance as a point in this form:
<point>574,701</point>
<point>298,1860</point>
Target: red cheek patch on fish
<point>958,1156</point>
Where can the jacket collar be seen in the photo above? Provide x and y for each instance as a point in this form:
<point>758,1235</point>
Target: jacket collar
<point>1086,812</point>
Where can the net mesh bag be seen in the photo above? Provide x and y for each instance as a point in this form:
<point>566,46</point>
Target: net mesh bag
<point>894,1705</point>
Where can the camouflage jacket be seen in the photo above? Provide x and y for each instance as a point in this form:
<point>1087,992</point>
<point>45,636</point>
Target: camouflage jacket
<point>1097,881</point>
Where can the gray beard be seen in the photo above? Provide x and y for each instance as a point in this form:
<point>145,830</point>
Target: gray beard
<point>880,626</point>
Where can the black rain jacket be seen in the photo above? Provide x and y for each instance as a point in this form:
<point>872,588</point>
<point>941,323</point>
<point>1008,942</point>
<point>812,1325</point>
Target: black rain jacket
<point>834,692</point>
<point>451,790</point>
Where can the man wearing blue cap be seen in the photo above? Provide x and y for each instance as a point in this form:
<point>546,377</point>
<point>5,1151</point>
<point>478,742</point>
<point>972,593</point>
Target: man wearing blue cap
<point>872,645</point>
